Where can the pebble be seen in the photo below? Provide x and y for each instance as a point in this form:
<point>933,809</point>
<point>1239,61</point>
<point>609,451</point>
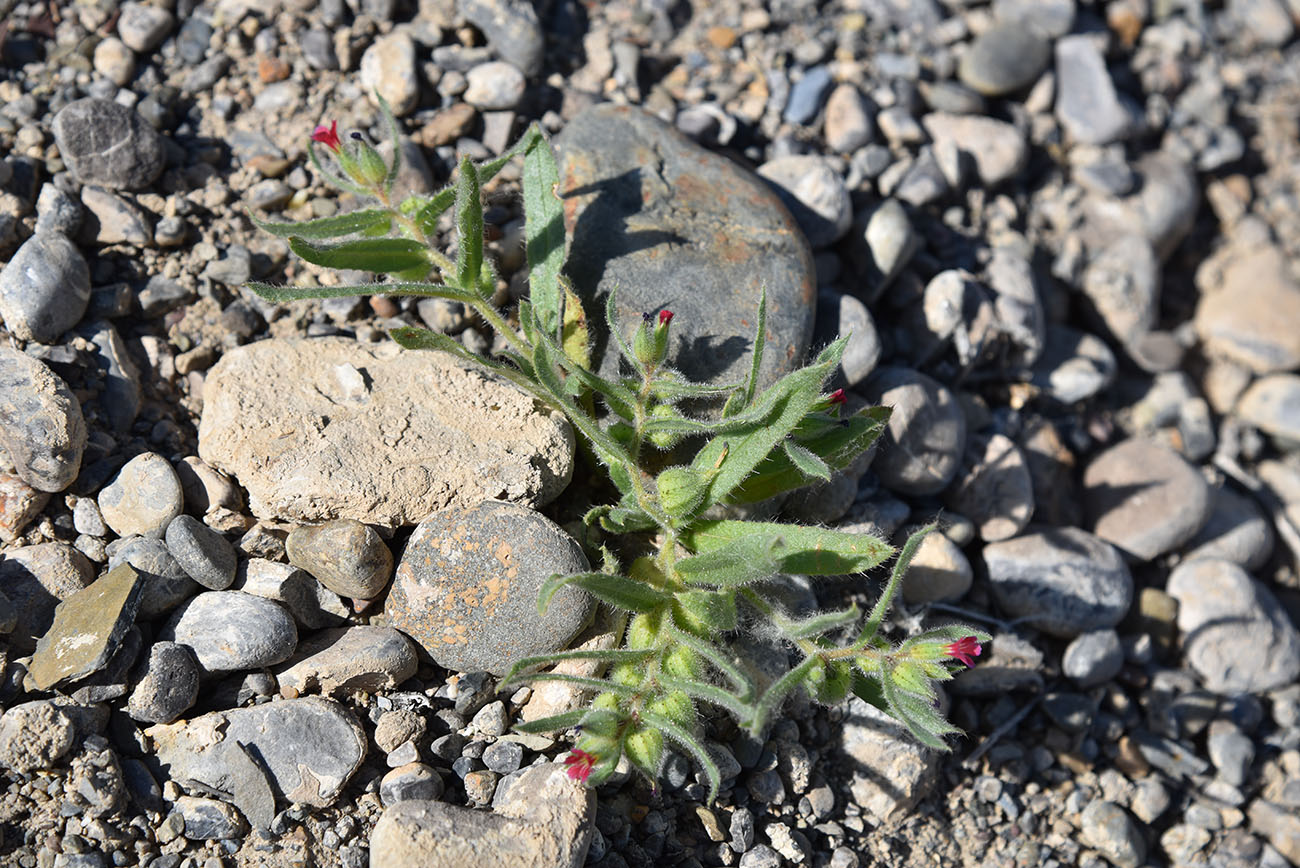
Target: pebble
<point>397,727</point>
<point>920,451</point>
<point>939,572</point>
<point>998,149</point>
<point>1244,316</point>
<point>504,757</point>
<point>466,587</point>
<point>761,856</point>
<point>1073,366</point>
<point>1269,22</point>
<point>993,488</point>
<point>849,122</point>
<point>113,60</point>
<point>1087,104</point>
<point>108,144</point>
<point>205,555</point>
<point>1053,17</point>
<point>193,38</point>
<point>1006,58</point>
<point>309,748</point>
<point>899,127</point>
<point>815,194</point>
<point>494,86</point>
<point>110,219</point>
<point>1072,712</point>
<point>310,603</point>
<point>500,445</point>
<point>807,95</point>
<point>891,240</point>
<point>87,630</point>
<point>166,584</point>
<point>143,497</point>
<point>344,555</point>
<point>1237,530</point>
<point>1144,499</point>
<point>318,49</point>
<point>841,314</point>
<point>35,579</point>
<point>349,660</point>
<point>1279,825</point>
<point>949,96</point>
<point>45,288</point>
<point>1231,751</point>
<point>57,211</point>
<point>1063,581</point>
<point>683,199</point>
<point>411,782</point>
<point>491,719</point>
<point>33,736</point>
<point>388,68</point>
<point>166,685</point>
<point>512,29</point>
<point>42,431</point>
<point>1122,280</point>
<point>1107,828</point>
<point>19,506</point>
<point>1093,658</point>
<point>1272,404</point>
<point>890,770</point>
<point>209,819</point>
<point>231,630</point>
<point>143,27</point>
<point>1235,633</point>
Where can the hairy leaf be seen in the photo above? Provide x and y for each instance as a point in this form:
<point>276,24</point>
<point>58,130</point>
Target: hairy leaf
<point>543,232</point>
<point>382,255</point>
<point>469,226</point>
<point>618,591</point>
<point>691,745</point>
<point>809,551</point>
<point>336,226</point>
<point>806,461</point>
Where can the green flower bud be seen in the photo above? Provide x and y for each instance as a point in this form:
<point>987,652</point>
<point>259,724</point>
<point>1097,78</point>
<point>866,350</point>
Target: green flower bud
<point>369,169</point>
<point>645,748</point>
<point>676,706</point>
<point>643,631</point>
<point>833,685</point>
<point>627,674</point>
<point>606,701</point>
<point>682,662</point>
<point>681,490</point>
<point>663,439</point>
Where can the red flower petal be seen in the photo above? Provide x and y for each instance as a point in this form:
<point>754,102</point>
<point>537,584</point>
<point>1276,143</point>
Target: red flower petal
<point>665,317</point>
<point>327,136</point>
<point>580,764</point>
<point>965,649</point>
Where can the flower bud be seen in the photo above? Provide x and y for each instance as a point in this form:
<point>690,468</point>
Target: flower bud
<point>664,439</point>
<point>681,490</point>
<point>369,168</point>
<point>833,686</point>
<point>676,706</point>
<point>645,748</point>
<point>643,631</point>
<point>627,674</point>
<point>682,662</point>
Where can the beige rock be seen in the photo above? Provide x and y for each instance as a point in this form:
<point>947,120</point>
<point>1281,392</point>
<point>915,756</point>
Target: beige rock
<point>350,660</point>
<point>998,148</point>
<point>891,770</point>
<point>388,66</point>
<point>1250,316</point>
<point>317,429</point>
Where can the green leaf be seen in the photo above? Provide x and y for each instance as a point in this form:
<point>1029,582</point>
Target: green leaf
<point>602,655</point>
<point>618,591</point>
<point>670,387</point>
<point>760,343</point>
<point>901,564</point>
<point>554,723</point>
<point>809,551</point>
<point>370,254</point>
<point>616,332</point>
<point>469,226</point>
<point>427,217</point>
<point>283,294</point>
<point>367,220</point>
<point>705,612</point>
<point>395,137</point>
<point>807,462</point>
<point>743,561</point>
<point>620,519</point>
<point>919,715</point>
<point>543,232</point>
<point>691,745</point>
<point>869,690</point>
<point>597,684</point>
<point>947,633</point>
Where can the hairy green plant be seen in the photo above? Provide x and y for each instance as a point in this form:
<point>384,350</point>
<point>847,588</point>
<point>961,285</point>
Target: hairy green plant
<point>694,578</point>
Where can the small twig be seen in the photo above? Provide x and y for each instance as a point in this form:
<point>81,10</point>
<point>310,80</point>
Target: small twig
<point>993,737</point>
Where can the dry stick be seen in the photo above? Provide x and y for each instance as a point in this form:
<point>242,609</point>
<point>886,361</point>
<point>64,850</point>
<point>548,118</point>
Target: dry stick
<point>995,735</point>
<point>1272,504</point>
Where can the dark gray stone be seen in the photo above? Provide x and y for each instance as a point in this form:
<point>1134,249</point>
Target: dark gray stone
<point>807,95</point>
<point>1063,581</point>
<point>166,584</point>
<point>504,757</point>
<point>45,288</point>
<point>193,38</point>
<point>41,426</point>
<point>166,686</point>
<point>466,587</point>
<point>318,49</point>
<point>209,819</point>
<point>1072,712</point>
<point>673,226</point>
<point>512,30</point>
<point>921,448</point>
<point>205,555</point>
<point>108,144</point>
<point>118,400</point>
<point>1005,58</point>
<point>230,630</point>
<point>344,555</point>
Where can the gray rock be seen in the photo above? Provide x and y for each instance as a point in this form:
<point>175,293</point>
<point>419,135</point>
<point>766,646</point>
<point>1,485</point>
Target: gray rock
<point>108,144</point>
<point>1246,315</point>
<point>807,94</point>
<point>1268,22</point>
<point>34,579</point>
<point>388,68</point>
<point>41,426</point>
<point>452,436</point>
<point>939,572</point>
<point>143,27</point>
<point>34,735</point>
<point>546,820</point>
<point>87,630</point>
<point>165,583</point>
<point>167,684</point>
<point>231,630</point>
<point>952,97</point>
<point>1074,365</point>
<point>1237,530</point>
<point>891,242</point>
<point>111,219</point>
<point>491,720</point>
<point>921,448</point>
<point>1106,828</point>
<point>891,770</point>
<point>346,556</point>
<point>1053,17</point>
<point>411,782</point>
<point>815,194</point>
<point>1016,304</point>
<point>1165,204</point>
<point>1272,404</point>
<point>1072,712</point>
<point>494,86</point>
<point>309,748</point>
<point>45,288</point>
<point>318,49</point>
<point>57,211</point>
<point>925,181</point>
<point>209,819</point>
<point>362,659</point>
<point>311,604</point>
<point>205,555</point>
<point>119,396</point>
<point>840,314</point>
<point>695,221</point>
<point>1005,58</point>
<point>1231,751</point>
<point>1144,499</point>
<point>1087,103</point>
<point>1236,635</point>
<point>849,120</point>
<point>1150,799</point>
<point>993,488</point>
<point>761,856</point>
<point>1093,658</point>
<point>1063,581</point>
<point>504,757</point>
<point>143,497</point>
<point>466,587</point>
<point>1279,824</point>
<point>512,29</point>
<point>1122,281</point>
<point>998,149</point>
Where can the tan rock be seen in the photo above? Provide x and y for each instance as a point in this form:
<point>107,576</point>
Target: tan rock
<point>1251,317</point>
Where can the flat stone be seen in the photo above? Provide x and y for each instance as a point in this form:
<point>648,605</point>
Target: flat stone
<point>1247,318</point>
<point>807,95</point>
<point>88,627</point>
<point>167,684</point>
<point>143,497</point>
<point>44,288</point>
<point>205,555</point>
<point>998,149</point>
<point>921,448</point>
<point>815,194</point>
<point>1236,635</point>
<point>345,555</point>
<point>309,748</point>
<point>388,67</point>
<point>105,143</point>
<point>34,735</point>
<point>1063,581</point>
<point>231,630</point>
<point>466,587</point>
<point>1144,499</point>
<point>41,426</point>
<point>165,583</point>
<point>1005,58</point>
<point>1087,103</point>
<point>111,219</point>
<point>890,770</point>
<point>362,659</point>
<point>297,422</point>
<point>545,821</point>
<point>993,488</point>
<point>674,226</point>
<point>35,579</point>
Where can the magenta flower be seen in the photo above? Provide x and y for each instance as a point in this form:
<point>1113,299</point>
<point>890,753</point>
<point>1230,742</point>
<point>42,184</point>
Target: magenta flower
<point>580,764</point>
<point>965,649</point>
<point>665,317</point>
<point>838,397</point>
<point>328,136</point>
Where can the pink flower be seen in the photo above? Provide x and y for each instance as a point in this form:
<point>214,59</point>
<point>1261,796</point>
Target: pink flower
<point>580,764</point>
<point>665,317</point>
<point>838,397</point>
<point>965,649</point>
<point>328,136</point>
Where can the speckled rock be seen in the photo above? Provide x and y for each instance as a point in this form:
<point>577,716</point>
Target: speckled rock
<point>466,587</point>
<point>344,555</point>
<point>34,579</point>
<point>166,686</point>
<point>921,448</point>
<point>361,659</point>
<point>19,505</point>
<point>231,630</point>
<point>34,735</point>
<point>311,604</point>
<point>108,144</point>
<point>310,747</point>
<point>1106,827</point>
<point>143,497</point>
<point>88,627</point>
<point>41,426</point>
<point>696,235</point>
<point>451,436</point>
<point>44,288</point>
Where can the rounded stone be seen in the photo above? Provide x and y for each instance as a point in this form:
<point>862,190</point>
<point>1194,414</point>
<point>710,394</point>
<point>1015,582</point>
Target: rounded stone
<point>143,497</point>
<point>466,587</point>
<point>388,68</point>
<point>34,735</point>
<point>166,583</point>
<point>114,61</point>
<point>1144,498</point>
<point>1248,317</point>
<point>494,86</point>
<point>166,685</point>
<point>840,314</point>
<point>105,143</point>
<point>1093,658</point>
<point>1106,827</point>
<point>939,571</point>
<point>35,579</point>
<point>994,488</point>
<point>891,241</point>
<point>365,658</point>
<point>143,27</point>
<point>1073,366</point>
<point>231,630</point>
<point>408,782</point>
<point>850,121</point>
<point>921,448</point>
<point>397,727</point>
<point>1272,404</point>
<point>44,288</point>
<point>1005,58</point>
<point>1063,581</point>
<point>815,194</point>
<point>204,554</point>
<point>344,555</point>
<point>1237,530</point>
<point>41,426</point>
